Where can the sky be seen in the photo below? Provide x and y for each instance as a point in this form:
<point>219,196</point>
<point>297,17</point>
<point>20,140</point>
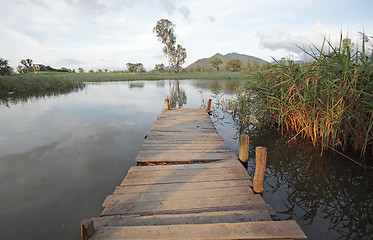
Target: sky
<point>107,34</point>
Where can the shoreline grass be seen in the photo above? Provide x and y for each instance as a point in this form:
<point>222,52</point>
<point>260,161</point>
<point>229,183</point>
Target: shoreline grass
<point>113,77</point>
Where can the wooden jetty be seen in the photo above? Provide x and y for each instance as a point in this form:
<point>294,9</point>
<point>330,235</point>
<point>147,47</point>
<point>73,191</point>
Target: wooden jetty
<point>188,185</point>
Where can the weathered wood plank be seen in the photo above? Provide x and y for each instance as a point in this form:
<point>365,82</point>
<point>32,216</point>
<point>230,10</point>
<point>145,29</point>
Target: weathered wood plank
<point>186,218</point>
<point>246,230</point>
<point>187,157</point>
<point>184,179</point>
<point>186,146</point>
<point>182,205</point>
<point>186,172</point>
<point>176,195</point>
<point>232,163</point>
<point>158,188</point>
<point>183,151</point>
<point>188,134</point>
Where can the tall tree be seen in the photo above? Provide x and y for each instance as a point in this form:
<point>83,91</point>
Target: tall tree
<point>164,30</point>
<point>215,63</point>
<point>178,56</point>
<point>5,69</point>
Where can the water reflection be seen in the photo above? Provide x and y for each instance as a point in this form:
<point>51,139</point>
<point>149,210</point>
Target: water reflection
<point>11,99</point>
<point>135,84</point>
<point>329,196</point>
<point>320,192</point>
<point>177,96</point>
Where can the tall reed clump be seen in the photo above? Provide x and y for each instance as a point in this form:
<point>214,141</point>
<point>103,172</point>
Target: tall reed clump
<point>328,100</point>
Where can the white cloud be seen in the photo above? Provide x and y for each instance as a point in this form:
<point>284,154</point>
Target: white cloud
<point>289,40</point>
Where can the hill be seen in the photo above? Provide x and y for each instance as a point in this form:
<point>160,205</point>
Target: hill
<point>205,62</point>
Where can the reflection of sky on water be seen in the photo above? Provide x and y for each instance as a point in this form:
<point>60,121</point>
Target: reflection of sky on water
<point>60,156</point>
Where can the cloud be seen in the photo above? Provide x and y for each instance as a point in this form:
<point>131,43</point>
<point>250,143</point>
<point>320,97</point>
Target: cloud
<point>185,12</point>
<point>279,37</point>
<point>40,3</point>
<point>290,39</point>
<point>170,8</point>
<point>211,18</point>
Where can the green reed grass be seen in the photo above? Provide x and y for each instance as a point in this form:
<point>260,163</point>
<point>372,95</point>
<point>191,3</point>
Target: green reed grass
<point>328,101</point>
<point>38,83</point>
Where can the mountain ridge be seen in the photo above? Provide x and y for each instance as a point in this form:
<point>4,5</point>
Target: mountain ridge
<point>205,62</point>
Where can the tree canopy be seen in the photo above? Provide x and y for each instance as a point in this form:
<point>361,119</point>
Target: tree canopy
<point>26,66</point>
<point>234,65</point>
<point>215,63</point>
<point>135,67</point>
<point>5,69</point>
<point>159,68</point>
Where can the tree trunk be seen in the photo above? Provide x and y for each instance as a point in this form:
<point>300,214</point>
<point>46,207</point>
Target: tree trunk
<point>169,61</point>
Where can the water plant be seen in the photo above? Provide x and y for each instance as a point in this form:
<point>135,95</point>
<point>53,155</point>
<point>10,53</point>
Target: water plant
<point>328,100</point>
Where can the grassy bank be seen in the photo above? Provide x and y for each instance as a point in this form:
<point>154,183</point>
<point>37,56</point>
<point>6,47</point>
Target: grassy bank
<point>35,83</point>
<point>328,101</point>
<point>112,77</point>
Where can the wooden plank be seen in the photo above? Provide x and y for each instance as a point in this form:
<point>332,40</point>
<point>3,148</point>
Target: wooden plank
<point>176,195</point>
<point>172,152</point>
<point>187,134</point>
<point>217,164</point>
<point>182,205</point>
<point>246,230</point>
<point>182,141</point>
<point>183,179</point>
<point>188,218</point>
<point>158,188</point>
<point>188,157</point>
<point>186,146</point>
<point>186,172</point>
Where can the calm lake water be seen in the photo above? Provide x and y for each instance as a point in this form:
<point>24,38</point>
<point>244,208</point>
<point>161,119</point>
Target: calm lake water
<point>61,156</point>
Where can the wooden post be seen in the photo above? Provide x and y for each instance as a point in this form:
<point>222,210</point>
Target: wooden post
<point>167,104</point>
<point>261,159</point>
<point>209,106</point>
<point>244,148</point>
<point>86,229</point>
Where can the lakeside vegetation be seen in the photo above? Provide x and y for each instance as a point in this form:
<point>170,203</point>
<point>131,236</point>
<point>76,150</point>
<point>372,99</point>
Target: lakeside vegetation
<point>24,86</point>
<point>328,101</point>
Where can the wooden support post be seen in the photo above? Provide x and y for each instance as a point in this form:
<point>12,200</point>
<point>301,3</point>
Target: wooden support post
<point>244,148</point>
<point>209,106</point>
<point>86,229</point>
<point>261,159</point>
<point>167,104</point>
